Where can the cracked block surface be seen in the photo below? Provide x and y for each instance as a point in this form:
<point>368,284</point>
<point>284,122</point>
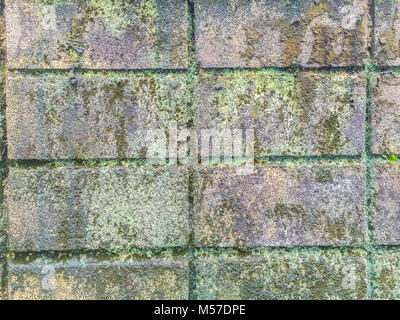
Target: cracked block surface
<point>280,206</point>
<point>150,279</point>
<point>307,113</point>
<point>256,33</point>
<point>106,115</point>
<point>386,201</point>
<point>110,208</point>
<point>281,275</point>
<point>96,34</point>
<point>385,114</point>
<point>387,32</point>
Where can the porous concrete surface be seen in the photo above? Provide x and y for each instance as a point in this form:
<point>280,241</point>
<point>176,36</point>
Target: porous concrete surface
<point>386,201</point>
<point>385,114</point>
<point>281,275</point>
<point>280,206</point>
<point>387,32</point>
<point>83,279</point>
<point>278,33</point>
<point>96,34</point>
<point>387,274</point>
<point>105,116</point>
<point>302,114</point>
<point>110,208</point>
<point>90,210</point>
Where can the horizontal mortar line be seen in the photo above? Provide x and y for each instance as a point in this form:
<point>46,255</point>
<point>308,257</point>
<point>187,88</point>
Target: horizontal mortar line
<point>175,252</point>
<point>83,71</point>
<point>382,156</point>
<point>112,253</point>
<point>178,250</point>
<point>386,247</point>
<point>211,69</point>
<point>380,69</point>
<point>182,250</point>
<point>286,248</point>
<point>291,69</point>
<point>147,254</point>
<point>315,158</point>
<point>99,161</point>
<point>79,162</point>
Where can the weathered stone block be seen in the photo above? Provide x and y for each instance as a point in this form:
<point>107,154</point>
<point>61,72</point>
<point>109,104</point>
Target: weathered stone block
<point>386,114</point>
<point>108,280</point>
<point>387,275</point>
<point>306,113</point>
<point>110,208</point>
<point>256,33</point>
<point>387,32</point>
<point>386,200</point>
<point>281,275</point>
<point>102,116</point>
<point>97,34</point>
<point>280,206</point>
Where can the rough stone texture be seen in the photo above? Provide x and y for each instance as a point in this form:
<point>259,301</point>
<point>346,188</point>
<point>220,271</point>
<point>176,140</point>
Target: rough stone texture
<point>88,85</point>
<point>307,113</point>
<point>281,275</point>
<point>280,206</point>
<point>103,116</point>
<point>386,200</point>
<point>144,280</point>
<point>387,32</point>
<point>1,281</point>
<point>111,208</point>
<point>387,275</point>
<point>98,34</point>
<point>255,33</point>
<point>385,119</point>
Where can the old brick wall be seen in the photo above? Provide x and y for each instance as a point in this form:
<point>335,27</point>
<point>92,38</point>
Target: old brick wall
<point>84,216</point>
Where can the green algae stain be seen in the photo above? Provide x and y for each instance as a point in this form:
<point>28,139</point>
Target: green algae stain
<point>118,16</point>
<point>279,274</point>
<point>392,158</point>
<point>255,92</point>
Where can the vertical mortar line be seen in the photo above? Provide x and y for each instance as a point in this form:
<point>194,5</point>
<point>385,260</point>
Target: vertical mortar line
<point>191,73</point>
<point>4,163</point>
<point>370,245</point>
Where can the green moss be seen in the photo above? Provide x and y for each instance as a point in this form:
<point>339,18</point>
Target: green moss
<point>113,12</point>
<point>255,90</point>
<point>55,3</point>
<point>392,158</point>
